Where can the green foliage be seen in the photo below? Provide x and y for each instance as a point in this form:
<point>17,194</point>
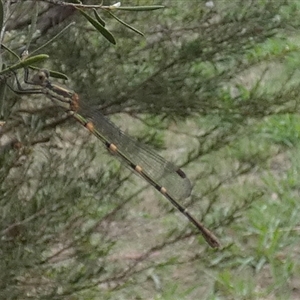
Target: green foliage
<point>99,24</point>
<point>282,129</point>
<point>99,27</point>
<point>213,86</point>
<point>25,63</point>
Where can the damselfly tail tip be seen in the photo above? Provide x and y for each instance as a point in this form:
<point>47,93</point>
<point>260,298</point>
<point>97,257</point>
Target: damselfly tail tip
<point>213,242</point>
<point>181,173</point>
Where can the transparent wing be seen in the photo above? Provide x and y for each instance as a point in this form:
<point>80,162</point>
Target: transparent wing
<point>161,171</point>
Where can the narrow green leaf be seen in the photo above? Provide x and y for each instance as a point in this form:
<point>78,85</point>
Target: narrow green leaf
<point>99,19</point>
<point>58,75</point>
<point>10,51</point>
<point>138,8</point>
<point>2,97</point>
<point>2,94</point>
<point>32,29</point>
<point>99,27</point>
<point>53,38</point>
<point>1,15</point>
<point>33,59</point>
<point>53,74</point>
<point>125,24</point>
<point>25,63</point>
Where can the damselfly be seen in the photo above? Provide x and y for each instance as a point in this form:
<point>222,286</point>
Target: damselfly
<point>163,175</point>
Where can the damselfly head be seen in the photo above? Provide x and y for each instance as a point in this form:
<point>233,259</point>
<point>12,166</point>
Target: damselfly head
<point>41,78</point>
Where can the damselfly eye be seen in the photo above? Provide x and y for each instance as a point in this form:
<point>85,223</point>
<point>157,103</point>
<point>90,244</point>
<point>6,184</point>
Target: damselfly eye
<point>39,78</point>
<point>45,73</point>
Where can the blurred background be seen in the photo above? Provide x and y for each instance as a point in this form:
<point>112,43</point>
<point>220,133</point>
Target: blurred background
<point>213,86</point>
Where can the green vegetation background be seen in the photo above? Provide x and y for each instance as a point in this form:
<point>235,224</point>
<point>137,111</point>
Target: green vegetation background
<point>214,87</point>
